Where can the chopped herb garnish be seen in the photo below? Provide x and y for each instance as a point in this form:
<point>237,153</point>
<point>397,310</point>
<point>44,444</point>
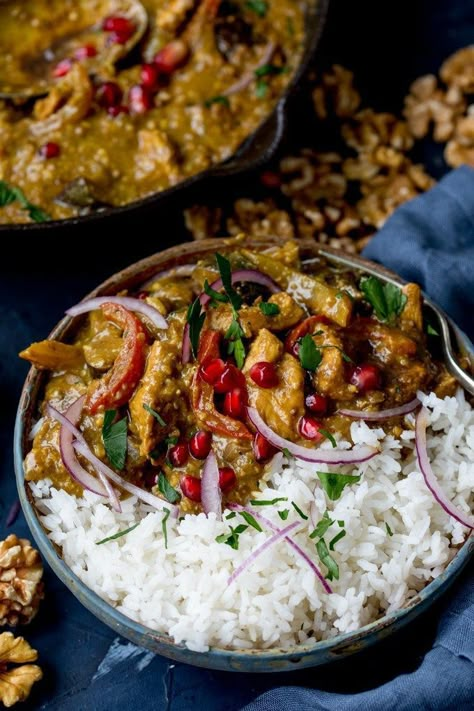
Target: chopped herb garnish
<point>388,529</point>
<point>322,526</point>
<point>268,309</point>
<point>267,502</point>
<point>167,490</point>
<point>287,453</point>
<point>217,100</point>
<point>216,297</point>
<point>235,344</point>
<point>171,441</point>
<point>195,321</point>
<point>235,332</point>
<point>163,526</point>
<point>232,538</point>
<point>327,560</point>
<point>270,70</point>
<point>340,523</point>
<point>336,538</point>
<point>114,437</point>
<point>225,272</point>
<point>230,515</point>
<point>259,7</point>
<point>284,514</point>
<point>329,436</point>
<point>431,331</point>
<point>299,511</point>
<point>155,414</point>
<point>309,354</point>
<point>261,89</point>
<point>117,535</point>
<point>334,483</point>
<point>9,194</point>
<point>251,520</point>
<point>387,300</point>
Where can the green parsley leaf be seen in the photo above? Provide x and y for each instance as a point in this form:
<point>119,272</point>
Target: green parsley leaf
<point>171,441</point>
<point>431,331</point>
<point>230,515</point>
<point>270,70</point>
<point>327,560</point>
<point>336,538</point>
<point>251,520</point>
<point>265,502</point>
<point>225,272</point>
<point>163,526</point>
<point>259,7</point>
<point>329,436</point>
<point>333,483</point>
<point>340,523</point>
<point>167,490</point>
<point>268,309</point>
<point>284,514</point>
<point>299,511</point>
<point>155,414</point>
<point>195,321</point>
<point>322,526</point>
<point>387,300</point>
<point>261,89</point>
<point>114,437</point>
<point>117,535</point>
<point>287,453</point>
<point>388,529</point>
<point>215,296</point>
<point>309,354</point>
<point>235,345</point>
<point>232,539</point>
<point>217,100</point>
<point>9,194</point>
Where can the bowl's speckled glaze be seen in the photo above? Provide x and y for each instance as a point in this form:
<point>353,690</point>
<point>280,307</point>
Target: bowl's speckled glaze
<point>273,660</point>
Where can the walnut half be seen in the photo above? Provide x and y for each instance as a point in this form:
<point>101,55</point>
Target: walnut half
<point>21,588</point>
<point>16,681</point>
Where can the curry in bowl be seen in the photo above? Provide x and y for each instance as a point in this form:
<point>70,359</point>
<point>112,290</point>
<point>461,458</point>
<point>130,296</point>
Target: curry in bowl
<point>252,452</point>
<point>107,102</point>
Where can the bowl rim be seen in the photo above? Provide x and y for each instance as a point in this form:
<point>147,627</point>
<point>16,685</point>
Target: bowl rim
<point>215,657</point>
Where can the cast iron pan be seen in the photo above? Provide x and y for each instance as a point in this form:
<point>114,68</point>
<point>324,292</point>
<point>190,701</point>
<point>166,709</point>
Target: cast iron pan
<point>258,148</point>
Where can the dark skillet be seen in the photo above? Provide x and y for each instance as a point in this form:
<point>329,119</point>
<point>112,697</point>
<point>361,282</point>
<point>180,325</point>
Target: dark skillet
<point>258,148</point>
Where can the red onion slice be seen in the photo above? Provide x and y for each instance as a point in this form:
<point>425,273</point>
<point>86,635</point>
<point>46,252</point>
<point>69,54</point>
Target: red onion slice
<point>282,533</point>
<point>325,456</point>
<point>211,498</point>
<point>249,77</point>
<point>289,539</point>
<point>381,414</point>
<point>422,422</point>
<point>129,302</point>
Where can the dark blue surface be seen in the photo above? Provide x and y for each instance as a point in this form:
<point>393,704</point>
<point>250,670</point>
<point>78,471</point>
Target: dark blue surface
<point>406,39</point>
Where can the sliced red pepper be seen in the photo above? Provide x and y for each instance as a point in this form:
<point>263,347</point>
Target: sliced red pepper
<point>209,345</point>
<point>299,331</point>
<point>117,386</point>
<point>207,415</point>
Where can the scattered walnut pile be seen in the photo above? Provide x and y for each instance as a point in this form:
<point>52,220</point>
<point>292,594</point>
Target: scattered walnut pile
<point>16,681</point>
<point>21,588</point>
<point>341,197</point>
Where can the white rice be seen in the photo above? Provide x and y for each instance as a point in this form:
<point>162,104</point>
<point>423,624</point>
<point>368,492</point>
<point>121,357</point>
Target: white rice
<point>277,602</point>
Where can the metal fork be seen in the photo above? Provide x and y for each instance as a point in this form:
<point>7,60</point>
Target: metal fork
<point>445,323</point>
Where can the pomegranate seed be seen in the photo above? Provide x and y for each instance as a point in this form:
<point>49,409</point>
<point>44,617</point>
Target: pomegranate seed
<point>49,150</point>
<point>200,444</point>
<point>262,448</point>
<point>62,68</point>
<point>140,99</point>
<point>227,479</point>
<point>118,23</point>
<point>149,75</point>
<point>309,428</point>
<point>142,295</point>
<point>230,378</point>
<point>212,370</point>
<point>235,403</point>
<point>85,52</point>
<point>270,179</point>
<point>264,374</point>
<point>178,455</point>
<point>151,479</point>
<point>191,488</point>
<point>366,377</point>
<point>171,57</point>
<point>316,403</point>
<point>116,111</point>
<point>109,94</point>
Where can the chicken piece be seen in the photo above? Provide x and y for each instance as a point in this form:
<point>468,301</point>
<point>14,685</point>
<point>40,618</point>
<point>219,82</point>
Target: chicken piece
<point>329,377</point>
<point>390,345</point>
<point>156,157</point>
<point>173,293</point>
<point>318,296</point>
<point>282,406</point>
<point>288,254</point>
<point>403,382</point>
<point>412,315</point>
<point>252,319</point>
<point>102,350</point>
<point>53,355</point>
<point>68,102</point>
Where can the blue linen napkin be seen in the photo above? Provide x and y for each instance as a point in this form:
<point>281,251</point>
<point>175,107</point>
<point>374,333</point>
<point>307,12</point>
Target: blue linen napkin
<point>429,240</point>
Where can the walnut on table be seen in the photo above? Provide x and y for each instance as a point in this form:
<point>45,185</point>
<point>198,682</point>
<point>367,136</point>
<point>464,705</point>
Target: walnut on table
<point>336,94</point>
<point>460,149</point>
<point>16,681</point>
<point>458,70</point>
<point>21,589</point>
<point>427,104</point>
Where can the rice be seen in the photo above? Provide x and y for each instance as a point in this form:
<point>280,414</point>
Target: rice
<point>183,590</point>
